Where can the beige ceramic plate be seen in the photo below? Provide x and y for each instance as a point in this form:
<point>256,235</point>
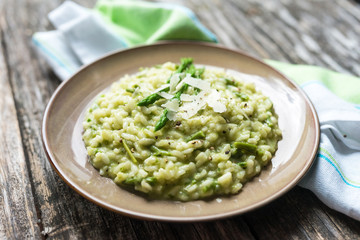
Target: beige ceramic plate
<point>61,132</point>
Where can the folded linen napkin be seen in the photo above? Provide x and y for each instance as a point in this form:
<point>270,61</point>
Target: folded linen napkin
<point>83,35</point>
<point>334,177</point>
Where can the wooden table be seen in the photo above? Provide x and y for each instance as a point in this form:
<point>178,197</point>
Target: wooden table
<point>36,203</point>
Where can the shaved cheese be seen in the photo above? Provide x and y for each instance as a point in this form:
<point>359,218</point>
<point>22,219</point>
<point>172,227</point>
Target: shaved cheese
<point>179,85</point>
<point>172,116</point>
<point>197,82</point>
<point>213,101</point>
<point>174,80</point>
<point>191,104</point>
<point>189,109</point>
<point>217,106</point>
<point>165,95</point>
<point>172,105</point>
<point>161,88</point>
<point>187,98</point>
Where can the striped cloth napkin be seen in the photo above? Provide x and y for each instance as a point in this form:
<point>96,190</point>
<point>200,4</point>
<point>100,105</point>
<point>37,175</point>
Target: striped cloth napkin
<point>83,35</point>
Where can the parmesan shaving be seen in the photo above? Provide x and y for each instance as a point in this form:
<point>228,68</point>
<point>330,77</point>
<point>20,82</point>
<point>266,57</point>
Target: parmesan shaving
<point>172,105</point>
<point>180,84</point>
<point>172,116</point>
<point>189,109</point>
<point>213,100</point>
<point>191,104</point>
<point>161,88</point>
<point>187,98</point>
<point>165,95</point>
<point>174,80</point>
<point>197,82</point>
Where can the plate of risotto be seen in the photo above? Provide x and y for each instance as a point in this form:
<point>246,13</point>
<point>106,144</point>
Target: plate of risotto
<point>180,131</point>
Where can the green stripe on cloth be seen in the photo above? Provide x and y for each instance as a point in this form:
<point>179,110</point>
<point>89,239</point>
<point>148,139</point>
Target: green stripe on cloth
<point>344,86</point>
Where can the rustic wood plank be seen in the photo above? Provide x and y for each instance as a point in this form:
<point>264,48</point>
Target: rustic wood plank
<point>18,217</point>
<point>296,215</point>
<point>63,213</point>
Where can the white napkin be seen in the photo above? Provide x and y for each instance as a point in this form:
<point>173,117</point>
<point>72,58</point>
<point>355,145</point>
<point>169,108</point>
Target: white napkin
<point>335,175</point>
<point>82,35</point>
<point>80,38</point>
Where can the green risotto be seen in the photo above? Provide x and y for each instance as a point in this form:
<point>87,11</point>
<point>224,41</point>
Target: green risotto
<point>176,131</point>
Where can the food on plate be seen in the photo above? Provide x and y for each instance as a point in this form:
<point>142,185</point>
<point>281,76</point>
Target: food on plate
<point>181,132</point>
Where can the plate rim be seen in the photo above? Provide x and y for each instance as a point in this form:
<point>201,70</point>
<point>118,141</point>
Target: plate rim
<point>146,216</point>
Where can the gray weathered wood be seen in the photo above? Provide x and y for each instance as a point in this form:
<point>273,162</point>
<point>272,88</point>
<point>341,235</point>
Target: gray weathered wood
<point>18,216</point>
<point>309,32</point>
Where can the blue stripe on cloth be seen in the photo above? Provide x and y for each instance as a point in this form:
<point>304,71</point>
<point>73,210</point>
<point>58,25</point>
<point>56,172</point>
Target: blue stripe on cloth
<point>337,170</point>
<point>48,53</point>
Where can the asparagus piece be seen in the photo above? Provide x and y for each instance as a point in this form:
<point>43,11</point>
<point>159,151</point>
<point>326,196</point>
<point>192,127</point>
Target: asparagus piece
<point>159,152</point>
<point>150,99</point>
<point>185,63</point>
<point>243,96</point>
<point>127,149</point>
<point>190,68</point>
<point>129,90</point>
<point>269,122</point>
<point>197,135</point>
<point>163,120</point>
<point>151,180</point>
<point>245,146</point>
<point>243,164</point>
<point>132,180</point>
<point>230,82</point>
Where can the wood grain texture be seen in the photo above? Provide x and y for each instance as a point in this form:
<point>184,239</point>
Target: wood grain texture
<point>35,202</point>
<point>18,217</point>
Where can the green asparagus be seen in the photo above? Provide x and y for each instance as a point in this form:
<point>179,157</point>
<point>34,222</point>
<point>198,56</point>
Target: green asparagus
<point>163,120</point>
<point>230,82</point>
<point>197,135</point>
<point>187,67</point>
<point>252,148</point>
<point>159,152</point>
<point>151,180</point>
<point>149,99</point>
<point>243,96</point>
<point>269,122</point>
<point>127,149</point>
<point>185,63</point>
<point>243,164</point>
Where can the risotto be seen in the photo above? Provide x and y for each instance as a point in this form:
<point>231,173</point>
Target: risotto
<point>176,131</point>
